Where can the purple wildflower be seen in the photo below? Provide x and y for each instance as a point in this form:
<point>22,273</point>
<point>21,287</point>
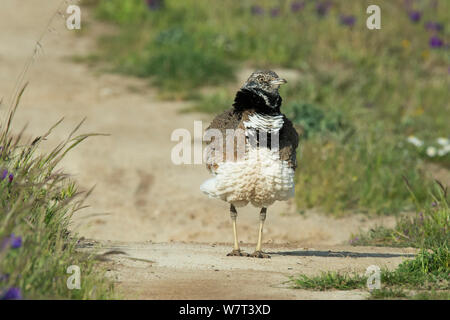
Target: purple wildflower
<point>275,12</point>
<point>155,4</point>
<point>11,177</point>
<point>352,241</point>
<point>322,8</point>
<point>347,20</point>
<point>4,174</point>
<point>12,294</point>
<point>434,204</point>
<point>16,242</point>
<point>421,216</point>
<point>436,42</point>
<point>415,16</point>
<point>433,26</point>
<point>257,10</point>
<point>296,6</point>
<point>12,241</point>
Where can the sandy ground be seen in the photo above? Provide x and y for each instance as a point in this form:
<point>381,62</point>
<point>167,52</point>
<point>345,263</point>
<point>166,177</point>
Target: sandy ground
<point>140,194</point>
<point>203,271</point>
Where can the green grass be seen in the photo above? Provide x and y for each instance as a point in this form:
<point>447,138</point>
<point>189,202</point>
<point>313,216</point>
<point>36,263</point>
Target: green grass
<point>330,280</point>
<point>428,228</point>
<point>180,60</point>
<point>429,267</point>
<point>36,204</point>
<point>358,171</point>
<point>426,276</point>
<point>432,295</point>
<point>389,293</point>
<point>212,103</point>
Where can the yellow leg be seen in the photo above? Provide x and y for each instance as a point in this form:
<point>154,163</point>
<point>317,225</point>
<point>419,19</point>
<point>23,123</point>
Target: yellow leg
<point>236,250</point>
<point>236,243</point>
<point>261,226</point>
<point>258,252</point>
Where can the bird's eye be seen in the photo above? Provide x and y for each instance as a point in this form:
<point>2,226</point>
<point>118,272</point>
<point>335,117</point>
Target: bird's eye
<point>260,78</point>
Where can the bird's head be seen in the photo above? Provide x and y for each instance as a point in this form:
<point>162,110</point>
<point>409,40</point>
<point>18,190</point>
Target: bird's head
<point>260,92</point>
<point>266,81</point>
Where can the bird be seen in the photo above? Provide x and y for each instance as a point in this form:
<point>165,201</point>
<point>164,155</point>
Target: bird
<point>252,153</point>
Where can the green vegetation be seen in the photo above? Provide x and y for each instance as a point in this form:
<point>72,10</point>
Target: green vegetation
<point>181,61</point>
<point>358,96</point>
<point>311,120</point>
<point>212,103</point>
<point>428,271</point>
<point>357,171</point>
<point>426,276</point>
<point>176,57</point>
<point>36,204</point>
<point>330,280</point>
<point>429,228</point>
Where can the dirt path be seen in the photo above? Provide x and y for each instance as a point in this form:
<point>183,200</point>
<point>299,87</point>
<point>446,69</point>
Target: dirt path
<point>140,194</point>
<point>203,271</point>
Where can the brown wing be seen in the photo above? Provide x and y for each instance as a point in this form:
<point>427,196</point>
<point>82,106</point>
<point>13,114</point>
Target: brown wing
<point>234,120</point>
<point>288,143</point>
<point>226,120</point>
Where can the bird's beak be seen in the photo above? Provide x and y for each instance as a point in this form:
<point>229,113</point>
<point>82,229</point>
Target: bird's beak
<point>278,81</point>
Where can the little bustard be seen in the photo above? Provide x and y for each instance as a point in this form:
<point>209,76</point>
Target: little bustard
<point>260,170</point>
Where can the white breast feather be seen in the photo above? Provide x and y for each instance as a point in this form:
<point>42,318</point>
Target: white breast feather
<point>264,122</point>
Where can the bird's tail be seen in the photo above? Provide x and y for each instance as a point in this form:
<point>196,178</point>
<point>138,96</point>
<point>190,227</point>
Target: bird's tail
<point>209,188</point>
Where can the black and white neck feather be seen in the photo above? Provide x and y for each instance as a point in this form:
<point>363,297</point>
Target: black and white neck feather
<point>265,120</point>
<point>258,100</point>
<point>259,96</point>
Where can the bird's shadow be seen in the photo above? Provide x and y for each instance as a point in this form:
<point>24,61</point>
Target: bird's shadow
<point>339,254</point>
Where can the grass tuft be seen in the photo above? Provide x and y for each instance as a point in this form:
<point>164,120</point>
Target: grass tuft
<point>330,280</point>
<point>427,272</point>
<point>428,228</point>
<point>37,202</point>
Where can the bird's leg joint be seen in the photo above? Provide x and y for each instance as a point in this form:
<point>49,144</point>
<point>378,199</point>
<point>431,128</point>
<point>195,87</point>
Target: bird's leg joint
<point>262,214</point>
<point>233,212</point>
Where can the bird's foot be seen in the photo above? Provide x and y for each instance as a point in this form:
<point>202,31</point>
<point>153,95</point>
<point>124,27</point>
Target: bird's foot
<point>237,253</point>
<point>260,254</point>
